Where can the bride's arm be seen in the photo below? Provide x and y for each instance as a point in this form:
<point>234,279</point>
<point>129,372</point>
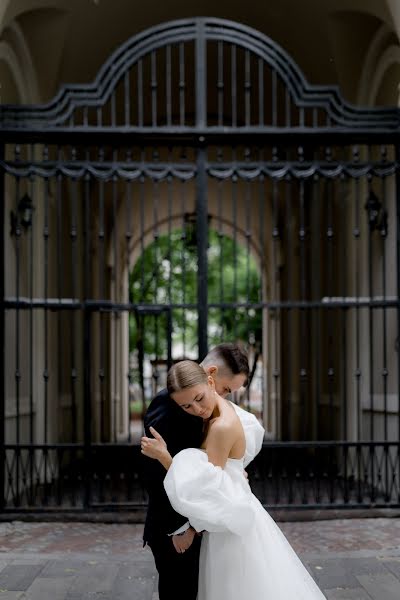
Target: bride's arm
<point>219,443</point>
<point>156,448</point>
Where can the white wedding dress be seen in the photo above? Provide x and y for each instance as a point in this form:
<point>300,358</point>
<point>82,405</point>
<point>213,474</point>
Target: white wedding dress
<point>244,555</point>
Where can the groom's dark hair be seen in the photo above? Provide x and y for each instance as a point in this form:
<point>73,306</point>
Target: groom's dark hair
<point>230,356</point>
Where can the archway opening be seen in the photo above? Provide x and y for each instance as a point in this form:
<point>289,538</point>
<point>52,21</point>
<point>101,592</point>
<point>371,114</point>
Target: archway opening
<point>166,275</point>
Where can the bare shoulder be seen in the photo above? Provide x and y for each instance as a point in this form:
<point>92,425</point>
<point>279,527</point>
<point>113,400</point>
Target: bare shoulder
<point>222,427</point>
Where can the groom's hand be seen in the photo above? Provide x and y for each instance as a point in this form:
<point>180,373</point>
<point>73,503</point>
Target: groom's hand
<point>183,541</point>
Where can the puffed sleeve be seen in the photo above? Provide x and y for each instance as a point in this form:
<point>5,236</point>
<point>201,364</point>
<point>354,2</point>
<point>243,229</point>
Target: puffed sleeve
<point>253,432</point>
<point>211,498</point>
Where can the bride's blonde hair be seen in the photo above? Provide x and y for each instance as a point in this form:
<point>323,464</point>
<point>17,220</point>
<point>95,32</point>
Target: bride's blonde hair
<point>185,374</point>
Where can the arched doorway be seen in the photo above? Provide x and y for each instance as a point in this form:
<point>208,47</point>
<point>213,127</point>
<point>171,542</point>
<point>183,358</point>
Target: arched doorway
<point>210,123</point>
<point>165,273</point>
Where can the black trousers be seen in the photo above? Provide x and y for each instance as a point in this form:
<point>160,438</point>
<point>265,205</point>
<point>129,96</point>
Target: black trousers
<point>178,574</point>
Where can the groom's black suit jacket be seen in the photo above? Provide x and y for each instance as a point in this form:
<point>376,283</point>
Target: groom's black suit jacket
<point>180,430</point>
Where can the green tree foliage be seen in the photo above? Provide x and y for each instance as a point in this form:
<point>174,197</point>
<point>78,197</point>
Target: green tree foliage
<point>166,273</point>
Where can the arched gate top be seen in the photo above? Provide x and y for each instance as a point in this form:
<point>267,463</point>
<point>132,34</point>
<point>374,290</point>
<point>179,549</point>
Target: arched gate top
<point>202,76</point>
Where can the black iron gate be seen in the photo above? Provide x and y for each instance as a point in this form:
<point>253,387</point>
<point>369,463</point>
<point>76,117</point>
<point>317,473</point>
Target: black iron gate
<point>198,191</point>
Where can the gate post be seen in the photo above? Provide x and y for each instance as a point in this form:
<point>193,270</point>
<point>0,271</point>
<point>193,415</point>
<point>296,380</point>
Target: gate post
<point>2,335</point>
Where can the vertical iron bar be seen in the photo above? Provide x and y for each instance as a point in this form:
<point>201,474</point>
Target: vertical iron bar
<point>60,272</point>
<point>101,242</point>
<point>356,234</point>
<point>275,277</point>
<point>31,347</point>
<point>220,83</point>
<point>127,98</point>
<point>317,279</point>
<point>142,225</point>
<point>46,374</point>
<point>260,92</point>
<point>169,244</point>
<point>263,351</point>
<point>372,448</point>
<point>87,395</point>
<point>331,321</point>
<point>235,247</point>
<point>385,371</point>
<point>248,298</point>
<point>115,315</point>
<point>156,273</point>
<point>87,238</point>
<point>169,258</point>
<point>201,192</point>
<point>2,334</point>
<point>201,80</point>
<point>343,311</point>
<point>344,419</point>
<point>370,327</point>
<point>398,301</point>
<point>247,88</point>
<point>17,373</point>
<point>220,188</point>
<point>303,315</point>
<point>140,318</point>
<point>274,98</point>
<point>140,348</point>
<point>128,238</point>
<point>233,85</point>
<point>168,84</point>
<point>202,242</point>
<point>87,408</point>
<point>331,312</point>
<point>46,293</point>
<point>154,86</point>
<point>74,258</point>
<point>183,262</point>
<point>182,84</point>
<point>140,93</point>
<point>290,275</point>
<point>169,338</point>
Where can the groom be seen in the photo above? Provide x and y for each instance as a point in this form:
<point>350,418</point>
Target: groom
<point>172,540</point>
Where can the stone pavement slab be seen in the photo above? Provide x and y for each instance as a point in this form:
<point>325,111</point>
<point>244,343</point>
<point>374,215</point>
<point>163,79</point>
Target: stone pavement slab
<point>347,594</point>
<point>381,585</point>
<point>393,565</point>
<point>42,588</point>
<point>18,577</point>
<point>356,559</point>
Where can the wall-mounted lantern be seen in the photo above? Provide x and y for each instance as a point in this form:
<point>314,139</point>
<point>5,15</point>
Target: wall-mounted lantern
<point>22,216</point>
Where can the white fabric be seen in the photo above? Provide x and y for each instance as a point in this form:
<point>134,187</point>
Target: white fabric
<point>243,554</point>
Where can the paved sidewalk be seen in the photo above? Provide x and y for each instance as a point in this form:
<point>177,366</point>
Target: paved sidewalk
<point>356,559</point>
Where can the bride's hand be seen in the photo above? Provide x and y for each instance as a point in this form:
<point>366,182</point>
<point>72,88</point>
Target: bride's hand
<point>154,447</point>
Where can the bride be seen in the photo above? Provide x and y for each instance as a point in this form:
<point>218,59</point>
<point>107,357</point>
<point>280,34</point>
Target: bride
<point>243,553</point>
